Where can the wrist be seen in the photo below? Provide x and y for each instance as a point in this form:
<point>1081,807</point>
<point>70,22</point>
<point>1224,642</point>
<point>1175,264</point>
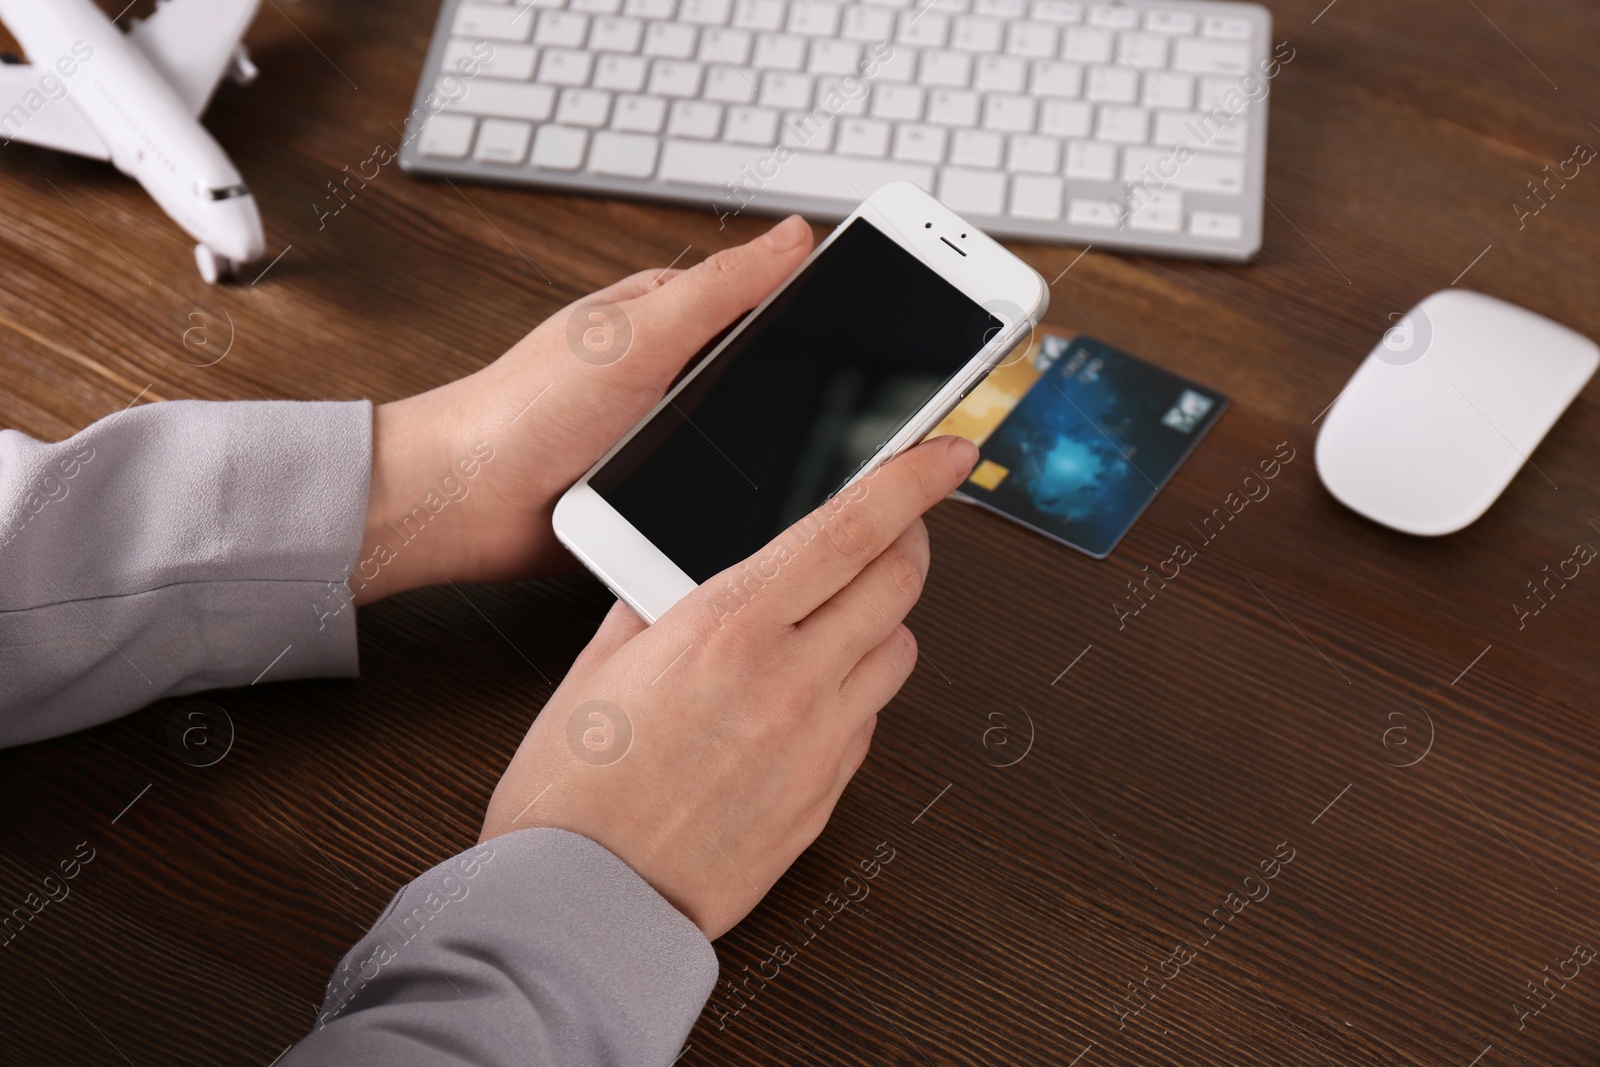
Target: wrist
<point>418,481</point>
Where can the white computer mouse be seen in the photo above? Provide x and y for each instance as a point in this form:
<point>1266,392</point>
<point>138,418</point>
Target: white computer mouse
<point>1447,408</point>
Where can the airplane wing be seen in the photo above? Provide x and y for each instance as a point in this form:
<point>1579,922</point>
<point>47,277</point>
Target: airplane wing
<point>28,115</point>
<point>192,42</point>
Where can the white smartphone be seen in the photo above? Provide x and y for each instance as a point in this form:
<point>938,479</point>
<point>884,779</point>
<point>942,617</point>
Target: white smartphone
<point>893,318</point>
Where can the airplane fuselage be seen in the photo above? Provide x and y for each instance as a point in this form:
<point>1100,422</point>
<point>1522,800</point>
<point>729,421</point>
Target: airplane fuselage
<point>147,129</point>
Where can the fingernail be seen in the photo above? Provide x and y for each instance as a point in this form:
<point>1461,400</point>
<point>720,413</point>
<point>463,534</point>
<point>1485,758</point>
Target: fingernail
<point>787,234</point>
<point>963,454</point>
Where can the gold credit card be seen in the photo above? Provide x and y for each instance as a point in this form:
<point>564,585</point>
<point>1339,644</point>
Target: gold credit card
<point>987,406</point>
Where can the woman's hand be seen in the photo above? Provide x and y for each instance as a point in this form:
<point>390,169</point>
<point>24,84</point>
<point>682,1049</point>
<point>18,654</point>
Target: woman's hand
<point>707,751</point>
<point>465,477</point>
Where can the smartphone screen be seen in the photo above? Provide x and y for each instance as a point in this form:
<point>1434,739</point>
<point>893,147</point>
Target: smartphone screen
<point>796,404</point>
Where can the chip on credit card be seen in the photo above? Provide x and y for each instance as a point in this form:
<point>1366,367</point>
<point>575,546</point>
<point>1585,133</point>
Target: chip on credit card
<point>1076,438</point>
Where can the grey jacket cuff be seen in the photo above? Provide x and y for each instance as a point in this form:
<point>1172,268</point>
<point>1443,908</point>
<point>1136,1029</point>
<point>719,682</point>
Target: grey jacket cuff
<point>538,947</point>
<point>175,547</point>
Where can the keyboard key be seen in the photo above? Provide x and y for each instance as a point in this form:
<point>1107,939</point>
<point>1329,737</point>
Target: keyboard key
<point>650,9</point>
<point>1086,44</point>
<point>1000,74</point>
<point>1112,17</point>
<point>833,57</point>
<point>1064,12</point>
<point>1003,9</point>
<point>1091,161</point>
<point>497,22</point>
<point>953,107</point>
<point>899,67</point>
<point>561,66</point>
<point>786,91</point>
<point>807,173</point>
<point>597,7</point>
<point>1034,39</point>
<point>811,18</point>
<point>1112,85</point>
<point>1216,224</point>
<point>626,155</point>
<point>695,118</point>
<point>1013,114</point>
<point>558,147</point>
<point>947,7</point>
<point>705,13</point>
<point>1065,118</point>
<point>1212,90</point>
<point>1147,51</point>
<point>832,94</point>
<point>1124,125</point>
<point>1101,214</point>
<point>503,141</point>
<point>972,192</point>
<point>1230,26</point>
<point>776,51</point>
<point>1204,172</point>
<point>721,45</point>
<point>513,62</point>
<point>1200,131</point>
<point>563,28</point>
<point>867,22</point>
<point>925,30</point>
<point>669,77</point>
<point>758,14</point>
<point>976,148</point>
<point>903,102</point>
<point>620,73</point>
<point>864,137</point>
<point>1173,22</point>
<point>1053,77</point>
<point>730,85</point>
<point>977,34</point>
<point>583,107</point>
<point>1033,154</point>
<point>919,144</point>
<point>639,114</point>
<point>752,125</point>
<point>1160,212</point>
<point>1035,196</point>
<point>447,136</point>
<point>1163,89</point>
<point>616,35</point>
<point>506,100</point>
<point>672,40</point>
<point>945,68</point>
<point>1210,57</point>
<point>803,130</point>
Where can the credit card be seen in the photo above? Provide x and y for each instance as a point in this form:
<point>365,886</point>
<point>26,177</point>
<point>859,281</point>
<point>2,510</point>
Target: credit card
<point>1078,437</point>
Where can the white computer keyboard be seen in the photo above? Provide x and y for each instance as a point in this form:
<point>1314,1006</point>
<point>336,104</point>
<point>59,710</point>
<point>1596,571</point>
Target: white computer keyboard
<point>1139,125</point>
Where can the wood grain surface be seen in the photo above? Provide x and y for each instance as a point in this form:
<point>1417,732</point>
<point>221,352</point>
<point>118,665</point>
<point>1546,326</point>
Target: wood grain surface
<point>1261,705</point>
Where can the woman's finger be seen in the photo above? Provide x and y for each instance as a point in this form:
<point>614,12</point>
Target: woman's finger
<point>818,556</point>
<point>877,677</point>
<point>673,321</point>
<point>873,603</point>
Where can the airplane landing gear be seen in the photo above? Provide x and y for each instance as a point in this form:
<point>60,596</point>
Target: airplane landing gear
<point>241,71</point>
<point>213,268</point>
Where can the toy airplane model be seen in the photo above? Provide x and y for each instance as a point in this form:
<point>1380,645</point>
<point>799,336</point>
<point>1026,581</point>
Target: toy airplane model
<point>135,99</point>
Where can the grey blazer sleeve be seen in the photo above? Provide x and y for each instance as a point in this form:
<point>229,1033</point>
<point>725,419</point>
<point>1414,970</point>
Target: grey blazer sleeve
<point>175,547</point>
<point>535,949</point>
<point>188,545</point>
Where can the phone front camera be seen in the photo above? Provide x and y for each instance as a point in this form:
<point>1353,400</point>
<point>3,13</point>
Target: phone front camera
<point>927,225</point>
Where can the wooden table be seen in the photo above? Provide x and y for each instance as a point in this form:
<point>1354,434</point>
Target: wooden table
<point>1262,705</point>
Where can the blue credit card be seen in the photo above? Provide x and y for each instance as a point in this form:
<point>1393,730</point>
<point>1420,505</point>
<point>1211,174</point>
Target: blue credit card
<point>1090,444</point>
